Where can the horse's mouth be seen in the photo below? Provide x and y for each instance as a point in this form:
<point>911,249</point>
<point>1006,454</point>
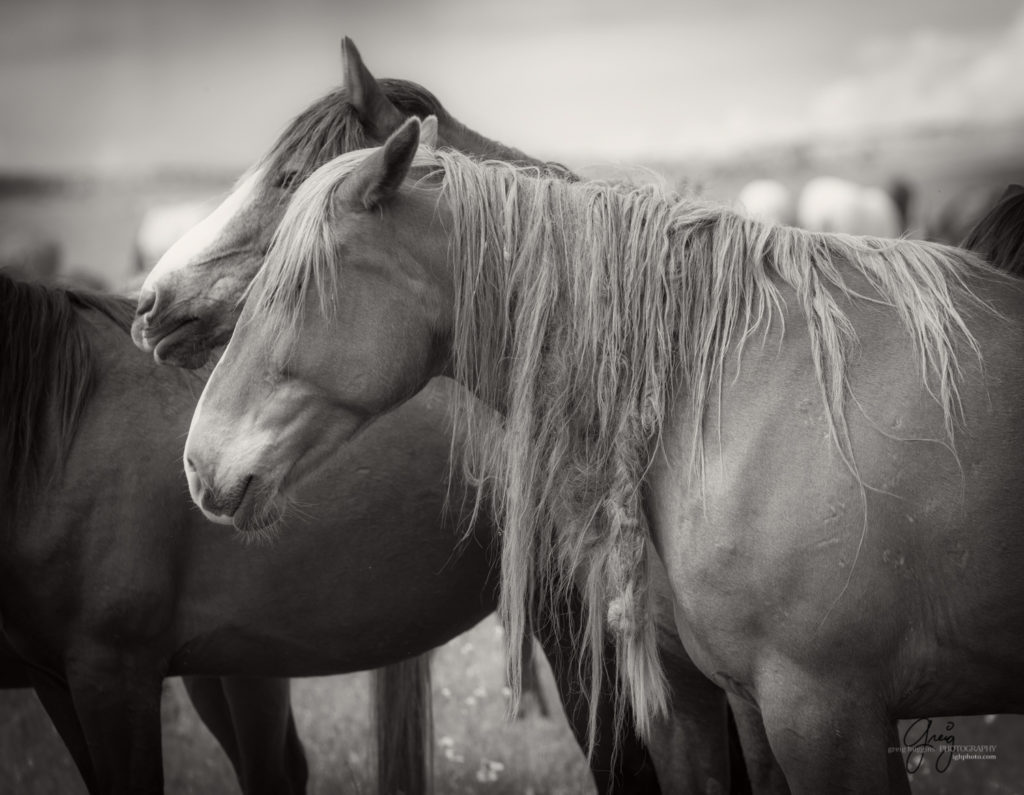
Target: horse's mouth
<point>258,512</point>
<point>180,346</point>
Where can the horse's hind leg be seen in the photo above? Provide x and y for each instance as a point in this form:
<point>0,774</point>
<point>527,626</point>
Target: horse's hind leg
<point>56,700</point>
<point>271,757</point>
<point>829,738</point>
<point>211,704</point>
<point>765,775</point>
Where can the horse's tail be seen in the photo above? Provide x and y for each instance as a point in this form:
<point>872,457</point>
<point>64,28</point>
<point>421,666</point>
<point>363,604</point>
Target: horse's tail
<point>405,723</point>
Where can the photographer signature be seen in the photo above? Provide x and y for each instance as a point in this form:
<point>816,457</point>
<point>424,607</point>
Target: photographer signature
<point>919,737</point>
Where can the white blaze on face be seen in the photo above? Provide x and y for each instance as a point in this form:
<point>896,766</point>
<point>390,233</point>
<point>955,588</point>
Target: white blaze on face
<point>193,245</point>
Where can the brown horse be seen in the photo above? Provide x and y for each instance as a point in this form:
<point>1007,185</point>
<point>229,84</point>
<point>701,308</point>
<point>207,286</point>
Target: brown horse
<point>190,303</point>
<point>818,436</point>
<point>110,580</point>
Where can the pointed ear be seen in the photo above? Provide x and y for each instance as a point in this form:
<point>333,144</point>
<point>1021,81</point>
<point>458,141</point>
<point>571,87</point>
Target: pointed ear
<point>428,132</point>
<point>365,94</point>
<point>379,176</point>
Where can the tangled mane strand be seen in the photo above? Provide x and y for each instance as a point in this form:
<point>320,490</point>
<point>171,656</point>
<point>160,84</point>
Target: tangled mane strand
<point>46,363</point>
<point>581,311</point>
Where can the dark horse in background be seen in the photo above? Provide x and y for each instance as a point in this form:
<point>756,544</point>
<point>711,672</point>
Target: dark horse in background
<point>110,580</point>
<point>999,234</point>
<point>190,302</point>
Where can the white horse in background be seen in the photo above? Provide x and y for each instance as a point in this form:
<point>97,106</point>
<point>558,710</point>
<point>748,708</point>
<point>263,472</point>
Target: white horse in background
<point>162,225</point>
<point>831,204</point>
<point>767,200</point>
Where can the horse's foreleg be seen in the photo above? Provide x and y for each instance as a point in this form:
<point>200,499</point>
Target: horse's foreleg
<point>829,738</point>
<point>690,746</point>
<point>764,772</point>
<point>631,769</point>
<point>117,700</point>
<point>271,758</point>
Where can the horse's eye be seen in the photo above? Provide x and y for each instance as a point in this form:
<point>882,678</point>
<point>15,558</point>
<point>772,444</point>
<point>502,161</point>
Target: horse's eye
<point>287,179</point>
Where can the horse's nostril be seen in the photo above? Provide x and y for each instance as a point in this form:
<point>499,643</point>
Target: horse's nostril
<point>147,300</point>
<point>190,464</point>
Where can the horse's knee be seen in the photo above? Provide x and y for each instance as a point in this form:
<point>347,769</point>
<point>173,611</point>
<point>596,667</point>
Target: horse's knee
<point>826,738</point>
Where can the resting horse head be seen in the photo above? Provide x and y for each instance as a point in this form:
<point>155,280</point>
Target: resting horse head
<point>304,411</point>
<point>190,302</point>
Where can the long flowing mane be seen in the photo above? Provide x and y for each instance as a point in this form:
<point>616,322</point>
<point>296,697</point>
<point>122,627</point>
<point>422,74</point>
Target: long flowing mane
<point>47,369</point>
<point>581,311</point>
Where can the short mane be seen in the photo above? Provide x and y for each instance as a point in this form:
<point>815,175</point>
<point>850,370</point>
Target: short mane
<point>46,365</point>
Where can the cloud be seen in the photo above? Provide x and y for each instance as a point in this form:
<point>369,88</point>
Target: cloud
<point>927,78</point>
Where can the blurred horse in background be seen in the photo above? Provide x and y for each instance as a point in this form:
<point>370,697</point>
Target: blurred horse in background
<point>949,218</point>
<point>768,201</point>
<point>160,228</point>
<point>29,257</point>
<point>832,204</point>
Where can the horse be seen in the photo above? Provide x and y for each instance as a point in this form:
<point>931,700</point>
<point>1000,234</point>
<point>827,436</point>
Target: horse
<point>190,302</point>
<point>831,204</point>
<point>103,614</point>
<point>949,216</point>
<point>999,234</point>
<point>818,436</point>
<point>767,200</point>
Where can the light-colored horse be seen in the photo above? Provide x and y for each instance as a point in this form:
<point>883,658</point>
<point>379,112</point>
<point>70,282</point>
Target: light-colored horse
<point>768,201</point>
<point>832,204</point>
<point>820,437</point>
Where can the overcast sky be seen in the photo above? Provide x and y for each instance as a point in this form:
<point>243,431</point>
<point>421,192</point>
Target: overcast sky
<point>128,84</point>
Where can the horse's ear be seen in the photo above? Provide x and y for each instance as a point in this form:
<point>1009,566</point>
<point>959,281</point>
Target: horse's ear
<point>365,94</point>
<point>380,175</point>
<point>428,132</point>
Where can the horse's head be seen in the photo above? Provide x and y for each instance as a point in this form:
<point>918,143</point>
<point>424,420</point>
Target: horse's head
<point>361,257</point>
<point>191,300</point>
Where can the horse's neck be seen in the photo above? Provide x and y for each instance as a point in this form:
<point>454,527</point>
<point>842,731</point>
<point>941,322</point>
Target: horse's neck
<point>132,375</point>
<point>464,139</point>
